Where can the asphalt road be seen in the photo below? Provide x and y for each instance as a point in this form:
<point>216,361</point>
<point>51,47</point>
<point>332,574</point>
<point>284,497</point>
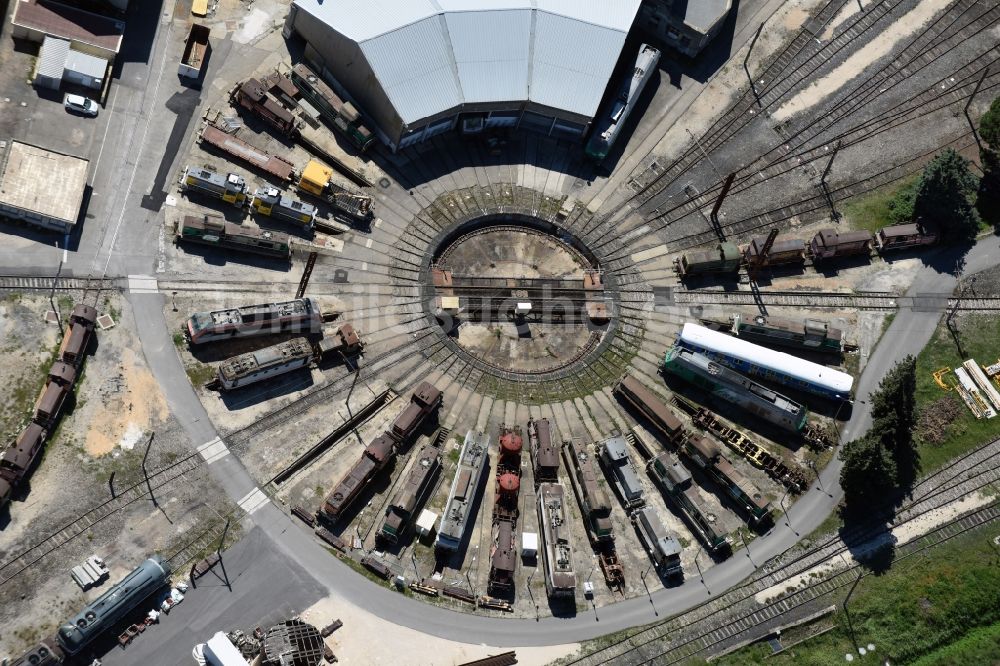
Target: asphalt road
<point>127,245</point>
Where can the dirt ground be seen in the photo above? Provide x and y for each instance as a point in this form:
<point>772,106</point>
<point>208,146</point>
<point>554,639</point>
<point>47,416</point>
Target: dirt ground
<point>361,641</point>
<point>98,445</point>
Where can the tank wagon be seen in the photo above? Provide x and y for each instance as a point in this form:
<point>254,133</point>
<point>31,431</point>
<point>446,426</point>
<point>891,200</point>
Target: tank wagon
<point>472,463</point>
<point>271,202</point>
<point>614,456</point>
<point>769,364</point>
<point>607,129</point>
<point>301,315</point>
<point>343,116</point>
<point>595,505</point>
<point>112,606</point>
<point>505,510</point>
<point>213,230</point>
<point>663,547</point>
<point>731,387</point>
<point>231,188</point>
<point>375,458</point>
<point>825,245</point>
<point>20,455</point>
<point>723,258</point>
<point>424,400</point>
<point>557,554</point>
<point>649,405</point>
<point>253,96</point>
<point>807,334</point>
<point>674,481</point>
<point>544,454</point>
<point>412,495</point>
<point>266,363</point>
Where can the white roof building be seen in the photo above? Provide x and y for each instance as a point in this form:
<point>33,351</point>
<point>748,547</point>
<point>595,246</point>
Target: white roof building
<point>414,65</point>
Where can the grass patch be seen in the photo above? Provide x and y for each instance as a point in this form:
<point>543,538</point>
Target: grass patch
<point>200,374</point>
<point>882,207</point>
<point>920,605</point>
<point>980,336</point>
<point>179,341</point>
<point>979,646</point>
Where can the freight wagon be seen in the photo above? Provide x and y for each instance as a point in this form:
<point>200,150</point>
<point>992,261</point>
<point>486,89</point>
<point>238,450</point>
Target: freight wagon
<point>275,166</point>
<point>724,258</point>
<point>544,454</point>
<point>593,498</point>
<point>649,405</point>
<point>902,236</point>
<point>58,386</point>
<point>301,315</point>
<point>252,95</point>
<point>425,399</point>
<point>82,320</point>
<point>832,244</point>
<point>214,231</point>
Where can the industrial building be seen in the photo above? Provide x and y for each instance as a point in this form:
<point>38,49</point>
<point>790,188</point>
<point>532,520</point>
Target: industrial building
<point>41,187</point>
<point>58,61</point>
<point>90,33</point>
<point>686,26</point>
<point>418,68</point>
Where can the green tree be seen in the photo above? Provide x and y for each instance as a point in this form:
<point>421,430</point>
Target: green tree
<point>988,201</point>
<point>946,195</point>
<point>868,475</point>
<point>885,459</point>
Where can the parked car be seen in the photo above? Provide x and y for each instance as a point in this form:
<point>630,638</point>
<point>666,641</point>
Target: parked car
<point>80,104</point>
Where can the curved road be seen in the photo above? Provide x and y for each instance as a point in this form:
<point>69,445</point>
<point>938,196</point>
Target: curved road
<point>908,334</point>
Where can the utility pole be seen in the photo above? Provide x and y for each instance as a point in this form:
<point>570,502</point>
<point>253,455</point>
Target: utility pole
<point>52,294</point>
<point>822,182</point>
<point>145,474</point>
<point>788,523</point>
<point>304,282</point>
<point>746,68</point>
<point>718,205</point>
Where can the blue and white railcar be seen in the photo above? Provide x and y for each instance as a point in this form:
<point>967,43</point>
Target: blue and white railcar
<point>766,363</point>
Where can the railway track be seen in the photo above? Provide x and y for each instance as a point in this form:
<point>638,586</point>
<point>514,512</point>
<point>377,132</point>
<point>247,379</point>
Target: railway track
<point>24,560</point>
<point>872,300</point>
<point>59,283</point>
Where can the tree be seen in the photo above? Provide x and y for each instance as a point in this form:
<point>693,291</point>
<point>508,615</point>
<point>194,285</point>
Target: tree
<point>868,475</point>
<point>988,201</point>
<point>945,197</point>
<point>885,459</point>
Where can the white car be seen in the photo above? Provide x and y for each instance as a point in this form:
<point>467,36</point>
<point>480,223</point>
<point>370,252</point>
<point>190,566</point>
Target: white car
<point>80,104</point>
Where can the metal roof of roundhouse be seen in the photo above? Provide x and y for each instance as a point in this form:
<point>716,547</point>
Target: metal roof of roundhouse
<point>43,181</point>
<point>433,55</point>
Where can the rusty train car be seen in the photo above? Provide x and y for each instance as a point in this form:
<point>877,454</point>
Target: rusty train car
<point>21,454</point>
<point>411,496</point>
<point>505,511</point>
<point>698,449</point>
<point>544,454</point>
<point>380,452</point>
<point>825,245</point>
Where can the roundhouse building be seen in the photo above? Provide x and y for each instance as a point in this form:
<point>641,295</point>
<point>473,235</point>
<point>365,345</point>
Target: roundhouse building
<point>418,68</point>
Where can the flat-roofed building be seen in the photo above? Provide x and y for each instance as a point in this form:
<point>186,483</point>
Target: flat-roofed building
<point>686,26</point>
<point>42,187</point>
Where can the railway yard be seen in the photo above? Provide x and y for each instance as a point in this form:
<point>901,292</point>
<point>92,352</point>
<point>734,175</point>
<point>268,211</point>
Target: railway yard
<point>527,399</point>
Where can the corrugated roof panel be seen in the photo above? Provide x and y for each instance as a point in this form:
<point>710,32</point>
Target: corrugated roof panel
<point>86,64</point>
<point>614,14</point>
<point>491,50</point>
<point>572,63</point>
<point>52,57</point>
<point>364,19</point>
<point>422,84</point>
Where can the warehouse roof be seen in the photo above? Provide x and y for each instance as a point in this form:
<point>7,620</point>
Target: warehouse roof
<point>43,181</point>
<point>434,55</point>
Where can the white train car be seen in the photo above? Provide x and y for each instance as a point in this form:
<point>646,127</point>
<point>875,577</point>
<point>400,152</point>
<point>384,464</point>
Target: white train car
<point>767,364</point>
<point>265,363</point>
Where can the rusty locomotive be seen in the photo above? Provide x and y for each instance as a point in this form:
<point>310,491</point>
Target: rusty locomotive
<point>21,454</point>
<point>382,451</point>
